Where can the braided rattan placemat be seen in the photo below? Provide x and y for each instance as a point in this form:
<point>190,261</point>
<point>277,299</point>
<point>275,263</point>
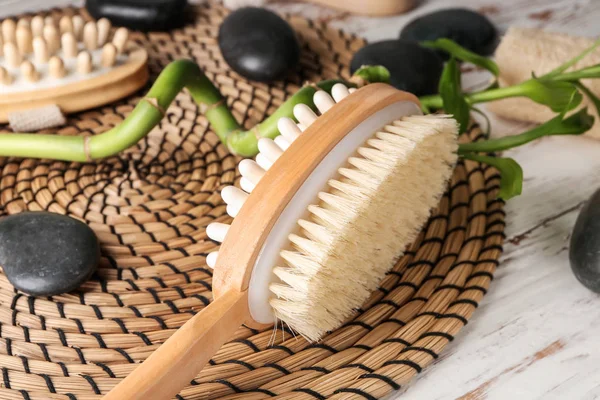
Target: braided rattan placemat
<point>150,206</point>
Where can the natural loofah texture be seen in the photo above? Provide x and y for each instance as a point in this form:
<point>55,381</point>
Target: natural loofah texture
<point>526,50</point>
<point>383,196</point>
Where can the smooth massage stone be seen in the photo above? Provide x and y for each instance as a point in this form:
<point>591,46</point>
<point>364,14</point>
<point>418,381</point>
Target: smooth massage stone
<point>413,68</point>
<point>142,15</point>
<point>45,254</point>
<point>584,251</point>
<point>258,44</point>
<point>466,27</point>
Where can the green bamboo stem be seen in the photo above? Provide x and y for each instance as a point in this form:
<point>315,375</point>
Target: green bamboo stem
<point>148,113</point>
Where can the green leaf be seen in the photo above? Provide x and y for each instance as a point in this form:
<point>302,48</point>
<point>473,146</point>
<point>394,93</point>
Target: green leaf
<point>454,100</point>
<point>559,96</point>
<point>590,95</point>
<point>575,124</point>
<point>459,52</point>
<point>373,73</point>
<point>562,68</point>
<point>511,173</point>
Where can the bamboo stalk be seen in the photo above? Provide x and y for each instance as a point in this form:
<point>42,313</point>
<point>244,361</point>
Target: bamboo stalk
<point>148,113</point>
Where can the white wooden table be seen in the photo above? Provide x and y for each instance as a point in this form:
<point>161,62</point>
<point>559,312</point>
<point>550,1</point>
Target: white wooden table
<point>534,335</point>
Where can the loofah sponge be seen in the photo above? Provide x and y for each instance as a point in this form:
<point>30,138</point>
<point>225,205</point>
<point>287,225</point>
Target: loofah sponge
<point>523,51</point>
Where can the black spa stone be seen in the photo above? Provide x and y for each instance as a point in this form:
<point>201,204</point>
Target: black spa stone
<point>584,251</point>
<point>466,27</point>
<point>143,15</point>
<point>258,44</point>
<point>45,254</point>
<point>413,68</point>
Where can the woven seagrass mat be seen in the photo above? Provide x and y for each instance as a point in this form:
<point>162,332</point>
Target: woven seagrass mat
<point>150,206</point>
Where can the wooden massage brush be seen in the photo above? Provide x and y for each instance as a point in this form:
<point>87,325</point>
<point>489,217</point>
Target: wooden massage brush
<point>68,64</point>
<point>326,210</point>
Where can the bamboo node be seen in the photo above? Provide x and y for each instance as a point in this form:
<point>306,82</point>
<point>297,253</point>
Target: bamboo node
<point>153,101</point>
<point>204,108</point>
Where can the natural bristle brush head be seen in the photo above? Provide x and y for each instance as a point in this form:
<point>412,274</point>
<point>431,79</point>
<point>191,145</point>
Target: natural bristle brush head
<point>70,63</point>
<point>325,211</point>
<point>329,206</point>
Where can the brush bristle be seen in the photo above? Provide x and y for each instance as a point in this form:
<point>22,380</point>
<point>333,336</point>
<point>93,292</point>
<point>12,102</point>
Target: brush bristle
<point>362,224</point>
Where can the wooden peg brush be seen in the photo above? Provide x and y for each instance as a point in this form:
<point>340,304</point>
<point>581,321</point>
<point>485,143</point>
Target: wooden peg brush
<point>326,210</point>
<point>69,64</point>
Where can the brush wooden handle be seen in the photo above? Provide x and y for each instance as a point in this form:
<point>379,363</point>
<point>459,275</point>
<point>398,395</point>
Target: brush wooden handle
<point>174,364</point>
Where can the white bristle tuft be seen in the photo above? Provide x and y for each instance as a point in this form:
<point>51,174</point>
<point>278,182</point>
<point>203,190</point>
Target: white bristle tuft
<point>52,38</point>
<point>382,196</point>
<point>263,161</point>
<point>211,259</point>
<point>56,67</point>
<point>288,129</point>
<point>235,198</point>
<point>69,45</point>
<point>29,72</point>
<point>5,77</point>
<point>104,26</point>
<point>339,91</point>
<point>9,28</point>
<point>251,171</point>
<point>269,149</point>
<point>65,24</point>
<point>323,101</point>
<point>304,115</point>
<point>24,40</point>
<point>282,142</point>
<point>84,63</point>
<point>37,26</point>
<point>109,55</point>
<point>11,55</point>
<point>120,39</point>
<point>78,24</point>
<point>217,231</point>
<point>246,185</point>
<point>40,50</point>
<point>90,36</point>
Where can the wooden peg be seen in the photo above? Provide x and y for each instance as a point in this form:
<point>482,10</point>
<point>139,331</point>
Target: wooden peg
<point>37,26</point>
<point>109,55</point>
<point>56,67</point>
<point>28,71</point>
<point>90,36</point>
<point>40,50</point>
<point>52,38</point>
<point>9,30</point>
<point>65,24</point>
<point>78,26</point>
<point>23,22</point>
<point>104,26</point>
<point>5,77</point>
<point>49,20</point>
<point>84,63</point>
<point>24,40</point>
<point>12,55</point>
<point>1,46</point>
<point>69,45</point>
<point>120,39</point>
